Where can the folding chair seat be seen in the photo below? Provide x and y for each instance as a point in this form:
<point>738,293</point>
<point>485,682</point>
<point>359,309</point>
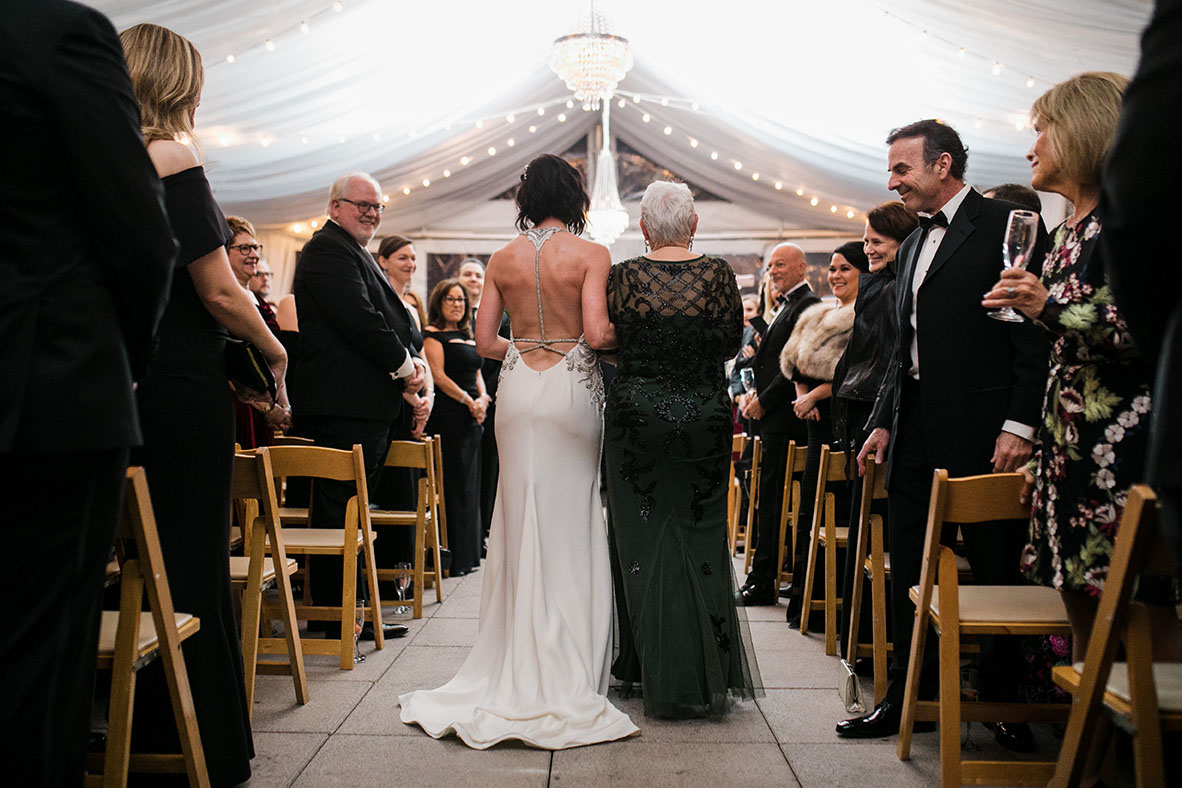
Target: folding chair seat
<point>316,462</point>
<point>423,518</point>
<point>956,611</point>
<point>254,499</point>
<point>131,637</point>
<point>828,535</point>
<point>790,512</point>
<point>1145,695</point>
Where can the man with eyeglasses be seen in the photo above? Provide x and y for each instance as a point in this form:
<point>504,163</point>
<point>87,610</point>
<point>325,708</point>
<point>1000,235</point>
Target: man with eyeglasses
<point>354,358</point>
<point>260,283</point>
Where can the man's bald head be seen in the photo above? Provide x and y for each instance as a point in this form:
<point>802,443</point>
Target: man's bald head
<point>787,266</point>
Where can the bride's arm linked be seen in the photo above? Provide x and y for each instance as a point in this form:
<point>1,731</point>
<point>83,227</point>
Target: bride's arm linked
<point>598,329</point>
<point>489,343</point>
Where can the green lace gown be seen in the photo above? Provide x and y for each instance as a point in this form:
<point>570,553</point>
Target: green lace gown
<point>667,438</point>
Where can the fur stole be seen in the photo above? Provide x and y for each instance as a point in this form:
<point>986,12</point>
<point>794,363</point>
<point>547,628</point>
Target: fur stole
<point>818,340</point>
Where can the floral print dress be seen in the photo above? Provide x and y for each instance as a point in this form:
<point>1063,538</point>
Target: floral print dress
<point>1095,430</point>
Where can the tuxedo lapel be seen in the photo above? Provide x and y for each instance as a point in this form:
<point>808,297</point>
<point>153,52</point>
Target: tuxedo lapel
<point>958,231</point>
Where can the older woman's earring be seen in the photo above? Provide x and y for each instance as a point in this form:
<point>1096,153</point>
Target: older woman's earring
<point>690,245</point>
<point>646,249</point>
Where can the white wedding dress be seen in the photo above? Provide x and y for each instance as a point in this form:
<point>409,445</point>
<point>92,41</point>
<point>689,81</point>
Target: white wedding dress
<point>539,669</point>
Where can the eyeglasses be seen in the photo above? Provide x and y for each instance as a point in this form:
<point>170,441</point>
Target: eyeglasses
<point>245,249</point>
<point>365,207</point>
<point>264,274</point>
<point>455,299</point>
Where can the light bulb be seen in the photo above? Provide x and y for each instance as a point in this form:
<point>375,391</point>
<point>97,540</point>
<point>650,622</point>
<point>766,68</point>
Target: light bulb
<point>779,185</point>
<point>755,176</point>
<point>304,28</point>
<point>492,151</point>
<point>541,111</point>
<point>480,124</point>
<point>570,104</point>
<point>813,202</point>
<point>738,165</point>
<point>338,6</point>
<point>447,173</point>
<point>464,160</point>
<point>510,117</point>
<point>961,53</point>
<point>996,70</point>
<point>646,117</point>
<point>562,117</point>
<point>532,129</point>
<point>270,45</point>
<point>510,142</point>
<point>693,142</point>
<point>1030,82</point>
<point>621,103</point>
<point>714,155</point>
<point>800,192</point>
<point>849,214</point>
<point>426,182</point>
<point>406,190</point>
<point>832,209</point>
<point>668,130</point>
<point>230,58</point>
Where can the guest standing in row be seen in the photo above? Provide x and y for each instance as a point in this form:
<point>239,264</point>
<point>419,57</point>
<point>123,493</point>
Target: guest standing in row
<point>460,406</point>
<point>356,359</point>
<point>667,441</point>
<point>86,266</point>
<point>1094,434</point>
<point>962,394</point>
<point>808,360</point>
<point>866,363</point>
<point>773,419</point>
<point>188,423</point>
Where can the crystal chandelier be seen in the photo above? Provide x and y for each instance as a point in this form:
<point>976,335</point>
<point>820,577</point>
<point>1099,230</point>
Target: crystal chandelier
<point>607,218</point>
<point>592,59</point>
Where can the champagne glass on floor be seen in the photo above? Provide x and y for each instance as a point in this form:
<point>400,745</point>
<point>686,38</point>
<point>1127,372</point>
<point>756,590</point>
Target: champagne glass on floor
<point>402,583</point>
<point>1021,235</point>
<point>358,623</point>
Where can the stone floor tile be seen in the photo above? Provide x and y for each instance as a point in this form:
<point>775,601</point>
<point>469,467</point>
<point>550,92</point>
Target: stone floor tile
<point>275,707</point>
<point>745,723</point>
<point>447,632</point>
<point>417,668</point>
<point>280,757</point>
<point>348,761</point>
<point>634,762</point>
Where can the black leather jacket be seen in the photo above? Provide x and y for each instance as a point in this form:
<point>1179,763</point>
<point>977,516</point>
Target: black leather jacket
<point>864,364</point>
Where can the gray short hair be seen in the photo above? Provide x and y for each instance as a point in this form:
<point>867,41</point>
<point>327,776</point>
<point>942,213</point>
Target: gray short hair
<point>341,185</point>
<point>667,210</point>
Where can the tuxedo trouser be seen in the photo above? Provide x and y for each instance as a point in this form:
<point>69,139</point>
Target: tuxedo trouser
<point>330,498</point>
<point>993,550</point>
<point>58,523</point>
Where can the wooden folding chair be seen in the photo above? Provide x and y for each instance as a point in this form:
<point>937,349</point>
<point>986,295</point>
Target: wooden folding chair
<point>751,530</point>
<point>734,492</point>
<point>828,535</point>
<point>254,499</point>
<point>355,537</point>
<point>956,611</point>
<point>790,512</point>
<point>130,639</point>
<point>1147,695</point>
<point>418,455</point>
<point>869,548</point>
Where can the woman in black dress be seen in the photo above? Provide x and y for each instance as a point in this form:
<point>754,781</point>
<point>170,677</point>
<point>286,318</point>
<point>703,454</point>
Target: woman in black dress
<point>457,416</point>
<point>864,364</point>
<point>188,421</point>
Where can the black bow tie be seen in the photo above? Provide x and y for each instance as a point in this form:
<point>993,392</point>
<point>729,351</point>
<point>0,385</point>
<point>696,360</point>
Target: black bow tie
<point>935,220</point>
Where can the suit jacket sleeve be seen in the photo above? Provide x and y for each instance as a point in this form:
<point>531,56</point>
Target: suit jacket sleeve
<point>333,279</point>
<point>124,204</point>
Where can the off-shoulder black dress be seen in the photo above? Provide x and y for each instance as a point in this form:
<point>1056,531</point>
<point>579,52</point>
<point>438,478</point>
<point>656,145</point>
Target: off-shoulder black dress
<point>188,451</point>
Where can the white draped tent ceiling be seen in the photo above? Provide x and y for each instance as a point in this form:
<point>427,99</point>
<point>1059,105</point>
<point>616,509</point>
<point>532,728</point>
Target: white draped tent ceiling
<point>795,94</point>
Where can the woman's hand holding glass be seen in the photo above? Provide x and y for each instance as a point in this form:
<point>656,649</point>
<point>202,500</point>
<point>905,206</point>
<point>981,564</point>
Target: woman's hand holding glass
<point>1018,289</point>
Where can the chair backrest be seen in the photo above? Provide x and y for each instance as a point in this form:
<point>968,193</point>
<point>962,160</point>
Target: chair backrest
<point>739,442</point>
<point>318,462</point>
<point>977,499</point>
<point>409,454</point>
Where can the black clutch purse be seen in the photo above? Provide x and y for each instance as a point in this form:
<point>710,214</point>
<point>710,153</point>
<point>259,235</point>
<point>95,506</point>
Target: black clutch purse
<point>248,370</point>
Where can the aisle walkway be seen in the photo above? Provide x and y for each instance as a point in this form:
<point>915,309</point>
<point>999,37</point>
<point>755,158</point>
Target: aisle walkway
<point>349,733</point>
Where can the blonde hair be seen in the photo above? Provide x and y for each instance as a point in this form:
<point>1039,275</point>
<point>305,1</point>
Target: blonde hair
<point>1079,117</point>
<point>167,77</point>
<point>239,225</point>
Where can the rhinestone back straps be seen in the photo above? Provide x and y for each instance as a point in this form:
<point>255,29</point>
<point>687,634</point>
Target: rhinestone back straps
<point>539,236</point>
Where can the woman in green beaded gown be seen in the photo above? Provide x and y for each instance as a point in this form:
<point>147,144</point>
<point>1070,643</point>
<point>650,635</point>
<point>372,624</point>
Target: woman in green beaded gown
<point>667,442</point>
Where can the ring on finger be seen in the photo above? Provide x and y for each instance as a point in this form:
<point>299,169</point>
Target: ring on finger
<point>1010,292</point>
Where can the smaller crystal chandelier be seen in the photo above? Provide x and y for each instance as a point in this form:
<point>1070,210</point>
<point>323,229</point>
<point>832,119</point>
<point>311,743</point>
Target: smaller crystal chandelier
<point>592,59</point>
<point>607,217</point>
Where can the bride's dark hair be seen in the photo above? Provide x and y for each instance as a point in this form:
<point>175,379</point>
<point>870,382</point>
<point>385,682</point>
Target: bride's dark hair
<point>551,187</point>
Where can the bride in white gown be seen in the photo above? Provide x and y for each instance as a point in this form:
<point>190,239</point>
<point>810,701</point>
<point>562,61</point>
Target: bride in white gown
<point>539,670</point>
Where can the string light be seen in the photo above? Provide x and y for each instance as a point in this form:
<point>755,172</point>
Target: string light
<point>779,185</point>
<point>385,198</point>
<point>800,192</point>
<point>541,111</point>
<point>813,202</point>
<point>492,151</point>
<point>297,228</point>
<point>230,58</point>
<point>426,182</point>
<point>532,129</point>
<point>464,160</point>
<point>270,45</point>
<point>714,155</point>
<point>849,214</point>
<point>996,70</point>
<point>304,28</point>
<point>570,104</point>
<point>668,130</point>
<point>621,103</point>
<point>1030,82</point>
<point>377,136</point>
<point>480,124</point>
<point>738,165</point>
<point>832,209</point>
<point>406,190</point>
<point>755,176</point>
<point>338,6</point>
<point>447,173</point>
<point>693,142</point>
<point>646,117</point>
<point>562,117</point>
<point>510,142</point>
<point>962,53</point>
<point>510,118</point>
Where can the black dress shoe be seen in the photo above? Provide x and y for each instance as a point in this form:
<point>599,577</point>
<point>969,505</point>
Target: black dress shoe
<point>756,597</point>
<point>1014,736</point>
<point>883,721</point>
<point>388,630</point>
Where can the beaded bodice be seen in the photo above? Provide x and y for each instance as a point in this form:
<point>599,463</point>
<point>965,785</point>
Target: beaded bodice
<point>539,236</point>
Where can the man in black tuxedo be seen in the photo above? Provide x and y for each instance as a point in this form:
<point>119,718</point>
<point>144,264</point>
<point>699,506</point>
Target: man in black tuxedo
<point>1139,193</point>
<point>354,362</point>
<point>86,264</point>
<point>771,409</point>
<point>965,394</point>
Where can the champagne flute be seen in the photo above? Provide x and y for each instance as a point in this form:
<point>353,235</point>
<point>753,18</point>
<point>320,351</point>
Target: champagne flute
<point>358,623</point>
<point>1021,235</point>
<point>747,377</point>
<point>402,583</point>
